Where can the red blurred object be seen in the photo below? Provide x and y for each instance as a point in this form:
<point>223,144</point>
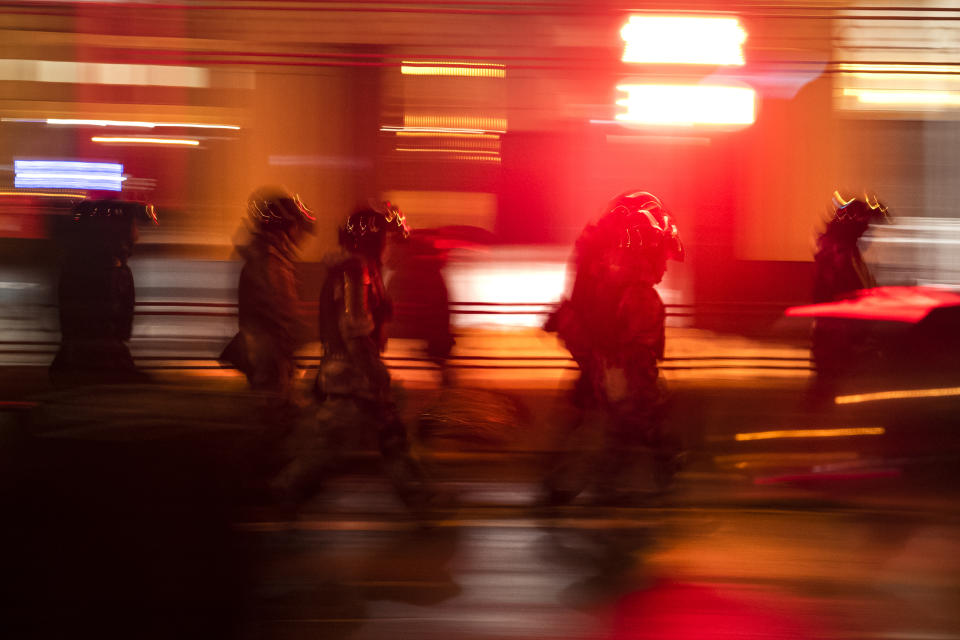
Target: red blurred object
<point>897,304</point>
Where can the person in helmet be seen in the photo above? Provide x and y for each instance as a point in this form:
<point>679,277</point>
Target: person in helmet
<point>613,325</point>
<point>840,269</point>
<point>270,326</point>
<point>840,346</point>
<point>96,292</point>
<point>353,385</point>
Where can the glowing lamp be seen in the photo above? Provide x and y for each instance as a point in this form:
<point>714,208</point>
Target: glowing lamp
<point>683,40</point>
<point>64,174</point>
<point>687,104</point>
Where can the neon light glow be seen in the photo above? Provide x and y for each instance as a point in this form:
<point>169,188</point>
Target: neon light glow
<point>129,140</point>
<point>905,97</point>
<point>687,104</point>
<point>683,40</point>
<point>58,174</point>
<point>811,433</point>
<point>902,394</point>
<point>454,123</point>
<point>462,69</point>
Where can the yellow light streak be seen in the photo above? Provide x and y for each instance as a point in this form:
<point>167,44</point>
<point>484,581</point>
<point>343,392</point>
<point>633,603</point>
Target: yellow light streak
<point>811,433</point>
<point>911,69</point>
<point>127,140</point>
<point>45,194</point>
<point>455,123</point>
<point>904,97</point>
<point>901,394</point>
<point>474,135</point>
<point>461,69</point>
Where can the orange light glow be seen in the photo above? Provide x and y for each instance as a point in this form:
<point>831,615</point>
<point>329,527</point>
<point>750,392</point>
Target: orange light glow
<point>461,69</point>
<point>687,104</point>
<point>683,40</point>
<point>901,394</point>
<point>135,140</point>
<point>811,433</point>
<point>483,124</point>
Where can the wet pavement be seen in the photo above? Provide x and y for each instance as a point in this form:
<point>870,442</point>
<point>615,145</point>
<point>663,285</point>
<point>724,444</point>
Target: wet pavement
<point>127,508</point>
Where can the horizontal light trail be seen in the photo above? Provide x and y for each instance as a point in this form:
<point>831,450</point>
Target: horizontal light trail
<point>79,122</point>
<point>458,69</point>
<point>905,97</point>
<point>811,433</point>
<point>901,394</point>
<point>42,194</point>
<point>134,140</point>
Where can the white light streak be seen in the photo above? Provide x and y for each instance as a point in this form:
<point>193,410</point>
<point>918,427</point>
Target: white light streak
<point>135,140</point>
<point>905,97</point>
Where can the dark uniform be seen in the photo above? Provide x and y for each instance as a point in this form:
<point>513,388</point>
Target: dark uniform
<point>613,324</point>
<point>353,384</point>
<point>271,330</point>
<point>96,293</point>
<point>841,347</point>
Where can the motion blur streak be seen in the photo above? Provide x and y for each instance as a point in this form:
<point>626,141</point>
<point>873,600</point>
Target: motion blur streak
<point>134,140</point>
<point>686,104</point>
<point>856,398</point>
<point>898,68</point>
<point>905,97</point>
<point>104,73</point>
<point>811,433</point>
<point>131,123</point>
<point>683,40</point>
<point>66,174</point>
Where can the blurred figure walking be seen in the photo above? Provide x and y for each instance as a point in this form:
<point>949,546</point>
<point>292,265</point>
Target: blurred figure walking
<point>841,347</point>
<point>613,325</point>
<point>353,385</point>
<point>96,293</point>
<point>271,328</point>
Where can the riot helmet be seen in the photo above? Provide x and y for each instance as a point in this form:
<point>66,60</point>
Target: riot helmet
<point>108,226</point>
<point>366,228</point>
<point>273,210</point>
<point>638,221</point>
<point>852,217</point>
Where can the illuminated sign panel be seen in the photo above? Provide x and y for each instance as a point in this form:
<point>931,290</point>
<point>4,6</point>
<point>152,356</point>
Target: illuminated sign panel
<point>683,40</point>
<point>687,104</point>
<point>63,174</point>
